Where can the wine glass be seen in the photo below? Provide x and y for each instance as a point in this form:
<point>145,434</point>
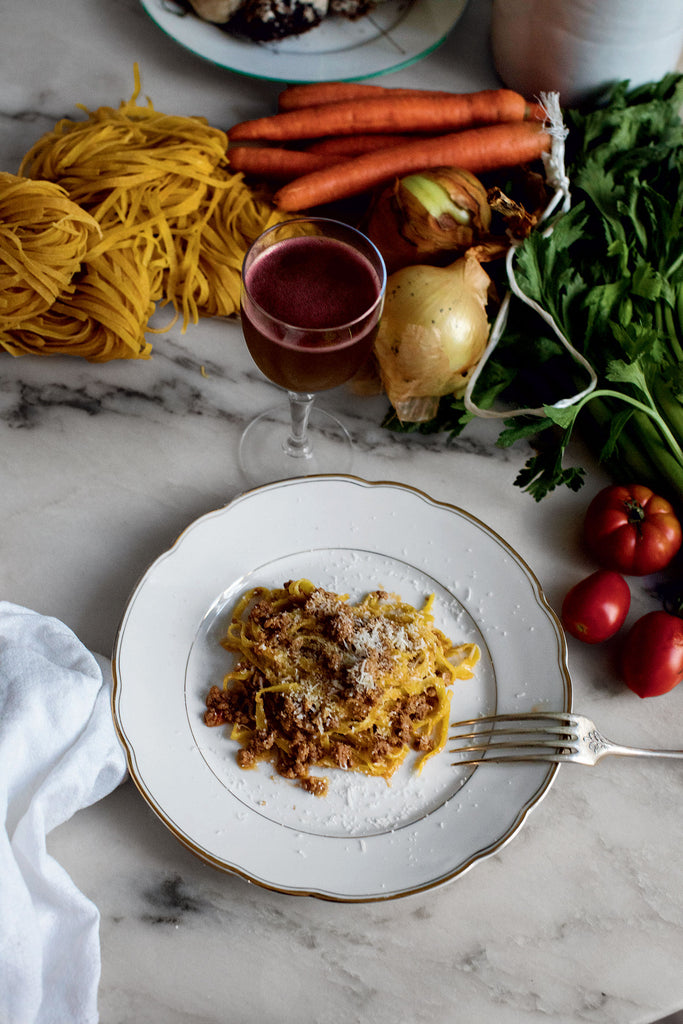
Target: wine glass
<point>311,299</point>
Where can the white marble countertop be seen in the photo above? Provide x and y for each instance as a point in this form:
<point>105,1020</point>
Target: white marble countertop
<point>579,918</point>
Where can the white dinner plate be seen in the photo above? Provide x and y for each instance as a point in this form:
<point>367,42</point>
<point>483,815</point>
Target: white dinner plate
<point>365,840</point>
<point>393,36</point>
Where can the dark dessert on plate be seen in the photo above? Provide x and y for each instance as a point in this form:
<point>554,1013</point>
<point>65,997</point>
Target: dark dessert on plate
<point>269,20</point>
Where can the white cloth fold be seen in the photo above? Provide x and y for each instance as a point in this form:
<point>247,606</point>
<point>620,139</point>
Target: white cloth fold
<point>58,753</point>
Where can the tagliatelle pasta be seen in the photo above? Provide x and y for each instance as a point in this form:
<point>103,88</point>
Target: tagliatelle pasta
<point>168,222</point>
<point>44,237</point>
<point>102,316</point>
<point>319,682</point>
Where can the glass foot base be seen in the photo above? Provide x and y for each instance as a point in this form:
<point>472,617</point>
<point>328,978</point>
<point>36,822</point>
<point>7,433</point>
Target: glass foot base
<point>262,456</point>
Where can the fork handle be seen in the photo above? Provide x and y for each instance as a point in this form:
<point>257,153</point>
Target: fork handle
<point>615,748</point>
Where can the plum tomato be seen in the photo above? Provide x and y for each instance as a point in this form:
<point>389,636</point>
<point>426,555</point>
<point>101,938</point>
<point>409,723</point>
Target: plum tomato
<point>596,607</point>
<point>632,530</point>
<point>652,654</point>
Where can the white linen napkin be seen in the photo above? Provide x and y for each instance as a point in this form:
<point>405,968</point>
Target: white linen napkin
<point>58,753</point>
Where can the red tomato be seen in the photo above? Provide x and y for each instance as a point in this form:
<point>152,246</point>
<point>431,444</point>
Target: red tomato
<point>632,530</point>
<point>595,609</point>
<point>652,655</point>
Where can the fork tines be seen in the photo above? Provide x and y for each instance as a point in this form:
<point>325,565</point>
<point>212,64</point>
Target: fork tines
<point>543,736</point>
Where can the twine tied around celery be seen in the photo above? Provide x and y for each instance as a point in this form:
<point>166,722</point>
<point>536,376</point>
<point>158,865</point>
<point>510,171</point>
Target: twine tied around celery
<point>560,202</point>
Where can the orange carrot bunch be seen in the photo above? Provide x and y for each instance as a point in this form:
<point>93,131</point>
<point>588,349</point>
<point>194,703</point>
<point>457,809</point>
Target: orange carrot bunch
<point>358,136</point>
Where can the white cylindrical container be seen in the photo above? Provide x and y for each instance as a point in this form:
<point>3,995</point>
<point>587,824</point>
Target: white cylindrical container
<point>576,47</point>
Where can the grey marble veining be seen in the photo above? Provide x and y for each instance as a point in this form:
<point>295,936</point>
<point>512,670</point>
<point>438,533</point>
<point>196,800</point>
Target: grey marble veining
<point>579,919</point>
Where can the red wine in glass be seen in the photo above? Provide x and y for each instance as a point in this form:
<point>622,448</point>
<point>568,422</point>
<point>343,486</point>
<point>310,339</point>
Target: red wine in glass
<point>312,294</point>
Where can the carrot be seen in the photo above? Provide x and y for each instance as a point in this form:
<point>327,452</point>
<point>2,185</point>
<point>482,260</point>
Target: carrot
<point>476,150</point>
<point>310,94</point>
<point>352,145</point>
<point>275,163</point>
<point>387,114</point>
<point>537,112</point>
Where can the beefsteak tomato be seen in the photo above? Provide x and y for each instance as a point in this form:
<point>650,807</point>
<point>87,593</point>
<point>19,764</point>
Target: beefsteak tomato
<point>652,654</point>
<point>631,530</point>
<point>596,608</point>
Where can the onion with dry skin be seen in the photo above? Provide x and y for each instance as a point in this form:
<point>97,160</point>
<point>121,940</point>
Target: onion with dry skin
<point>430,217</point>
<point>432,334</point>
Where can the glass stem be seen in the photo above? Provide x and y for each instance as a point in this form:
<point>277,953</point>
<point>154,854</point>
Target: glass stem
<point>297,444</point>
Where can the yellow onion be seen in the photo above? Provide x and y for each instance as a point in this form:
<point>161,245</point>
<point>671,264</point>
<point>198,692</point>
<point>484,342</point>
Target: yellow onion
<point>429,217</point>
<point>432,334</point>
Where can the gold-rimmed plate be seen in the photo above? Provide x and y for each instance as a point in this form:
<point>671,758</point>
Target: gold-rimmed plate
<point>365,840</point>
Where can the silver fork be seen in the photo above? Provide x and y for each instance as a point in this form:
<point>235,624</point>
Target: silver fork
<point>556,736</point>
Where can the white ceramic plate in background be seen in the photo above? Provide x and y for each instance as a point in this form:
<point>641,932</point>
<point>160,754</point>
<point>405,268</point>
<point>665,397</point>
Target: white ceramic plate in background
<point>393,36</point>
<point>365,840</point>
